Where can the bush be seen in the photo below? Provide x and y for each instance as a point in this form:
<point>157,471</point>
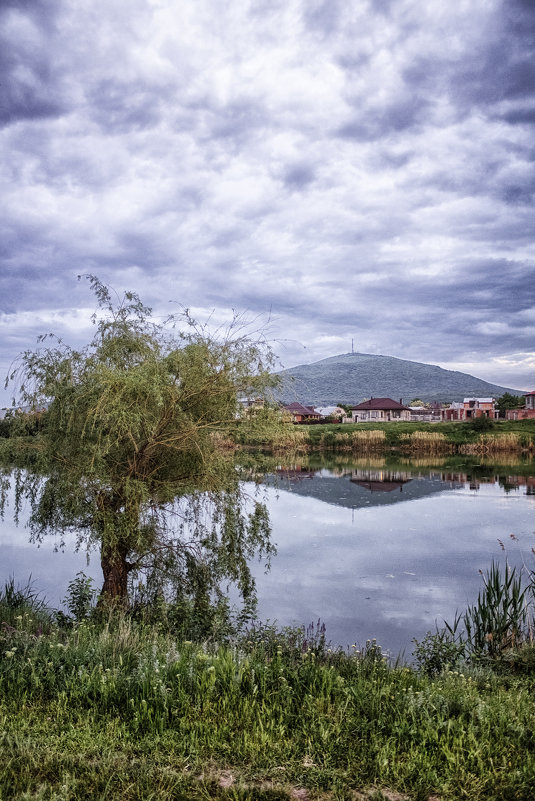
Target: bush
<point>480,424</point>
<point>443,650</point>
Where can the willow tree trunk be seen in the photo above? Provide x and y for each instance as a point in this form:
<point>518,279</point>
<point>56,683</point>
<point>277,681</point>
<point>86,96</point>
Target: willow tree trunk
<point>115,569</point>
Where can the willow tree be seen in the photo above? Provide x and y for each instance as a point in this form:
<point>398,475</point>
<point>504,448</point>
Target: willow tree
<point>136,422</point>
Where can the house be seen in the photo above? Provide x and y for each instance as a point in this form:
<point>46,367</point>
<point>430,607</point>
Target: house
<point>470,408</point>
<point>335,412</point>
<point>479,407</point>
<point>425,414</point>
<point>455,411</point>
<point>380,480</point>
<point>301,414</point>
<point>380,410</point>
<point>527,413</point>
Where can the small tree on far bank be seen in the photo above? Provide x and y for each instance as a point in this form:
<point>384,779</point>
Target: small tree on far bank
<point>130,456</point>
<point>509,401</point>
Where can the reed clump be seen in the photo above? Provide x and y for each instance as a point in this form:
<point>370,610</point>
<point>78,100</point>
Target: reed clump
<point>425,441</point>
<point>423,461</point>
<point>495,632</point>
<point>505,442</point>
<point>293,439</point>
<point>366,441</point>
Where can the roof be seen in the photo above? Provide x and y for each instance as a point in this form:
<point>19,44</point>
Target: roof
<point>526,394</point>
<point>298,408</point>
<point>479,400</point>
<point>380,403</point>
<point>327,410</point>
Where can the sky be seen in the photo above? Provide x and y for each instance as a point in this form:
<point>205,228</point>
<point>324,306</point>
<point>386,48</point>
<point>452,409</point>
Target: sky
<point>351,173</point>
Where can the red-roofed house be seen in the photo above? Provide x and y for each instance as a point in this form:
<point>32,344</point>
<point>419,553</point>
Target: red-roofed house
<point>300,413</point>
<point>380,410</point>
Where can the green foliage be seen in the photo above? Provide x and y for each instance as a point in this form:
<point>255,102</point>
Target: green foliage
<point>439,651</point>
<point>118,710</point>
<point>495,631</point>
<point>496,623</point>
<point>130,454</point>
<point>23,608</point>
<point>509,401</point>
<point>478,424</point>
<point>6,424</point>
<point>80,597</point>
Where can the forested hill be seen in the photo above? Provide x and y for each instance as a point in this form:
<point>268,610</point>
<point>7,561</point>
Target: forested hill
<point>354,377</point>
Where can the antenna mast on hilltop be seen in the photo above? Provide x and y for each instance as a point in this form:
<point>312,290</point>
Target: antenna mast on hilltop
<point>352,351</point>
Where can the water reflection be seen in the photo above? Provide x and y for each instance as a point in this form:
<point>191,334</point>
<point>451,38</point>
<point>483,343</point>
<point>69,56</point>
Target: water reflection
<point>374,547</point>
<point>379,478</point>
<point>381,550</point>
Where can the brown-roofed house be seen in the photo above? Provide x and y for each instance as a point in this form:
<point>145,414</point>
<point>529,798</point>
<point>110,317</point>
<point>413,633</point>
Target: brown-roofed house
<point>300,413</point>
<point>380,410</point>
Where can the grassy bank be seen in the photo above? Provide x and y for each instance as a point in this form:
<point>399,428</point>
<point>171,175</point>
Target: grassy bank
<point>490,437</point>
<point>116,709</point>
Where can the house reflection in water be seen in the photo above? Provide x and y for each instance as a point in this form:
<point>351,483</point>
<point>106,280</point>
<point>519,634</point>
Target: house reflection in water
<point>380,480</point>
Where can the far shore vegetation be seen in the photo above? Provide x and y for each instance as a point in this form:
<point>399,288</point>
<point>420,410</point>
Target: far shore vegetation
<point>478,436</point>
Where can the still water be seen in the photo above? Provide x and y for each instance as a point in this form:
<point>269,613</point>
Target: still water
<point>371,549</point>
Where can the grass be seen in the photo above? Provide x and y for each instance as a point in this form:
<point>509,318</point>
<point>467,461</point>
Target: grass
<point>113,709</point>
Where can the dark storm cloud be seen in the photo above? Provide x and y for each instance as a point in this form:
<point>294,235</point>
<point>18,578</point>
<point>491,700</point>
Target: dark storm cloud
<point>120,107</point>
<point>492,68</point>
<point>298,176</point>
<point>238,120</point>
<point>521,116</point>
<point>323,16</point>
<point>372,124</point>
<point>28,82</point>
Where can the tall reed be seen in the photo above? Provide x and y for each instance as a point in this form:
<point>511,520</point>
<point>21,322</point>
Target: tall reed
<point>425,441</point>
<point>505,442</point>
<point>367,441</point>
<point>498,621</point>
<point>294,439</point>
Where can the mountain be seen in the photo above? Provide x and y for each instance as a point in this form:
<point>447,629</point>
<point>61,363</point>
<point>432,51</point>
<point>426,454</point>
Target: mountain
<point>354,377</point>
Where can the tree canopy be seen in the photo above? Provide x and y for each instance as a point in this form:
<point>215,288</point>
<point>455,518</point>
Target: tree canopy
<point>131,454</point>
<point>509,401</point>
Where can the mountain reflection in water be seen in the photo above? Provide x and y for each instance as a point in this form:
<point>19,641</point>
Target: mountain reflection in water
<point>386,551</point>
<point>396,486</point>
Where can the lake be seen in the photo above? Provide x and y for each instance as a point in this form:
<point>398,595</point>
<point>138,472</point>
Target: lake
<point>369,547</point>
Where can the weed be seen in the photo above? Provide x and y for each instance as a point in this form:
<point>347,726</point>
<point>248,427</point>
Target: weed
<point>497,621</point>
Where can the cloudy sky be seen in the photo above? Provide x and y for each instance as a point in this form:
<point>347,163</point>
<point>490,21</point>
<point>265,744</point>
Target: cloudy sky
<point>354,169</point>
